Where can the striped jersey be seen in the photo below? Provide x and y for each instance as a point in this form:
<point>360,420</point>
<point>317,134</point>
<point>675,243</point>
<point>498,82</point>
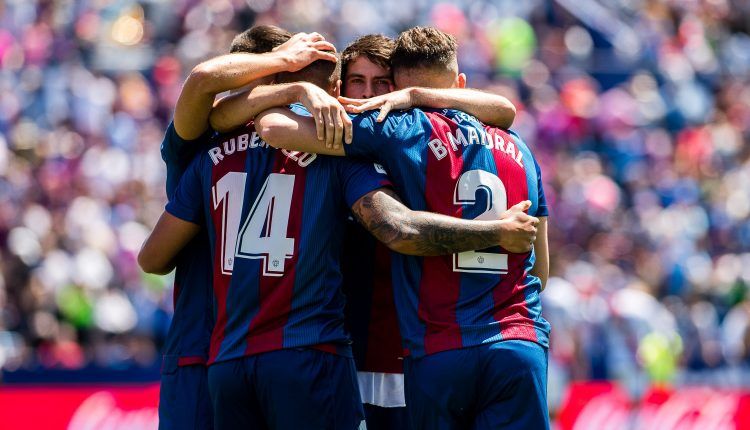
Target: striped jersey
<point>446,161</point>
<point>275,222</point>
<point>370,308</point>
<point>190,331</point>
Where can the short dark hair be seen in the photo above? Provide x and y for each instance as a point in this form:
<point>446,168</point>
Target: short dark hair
<point>376,47</point>
<point>259,39</point>
<point>322,73</point>
<point>425,47</point>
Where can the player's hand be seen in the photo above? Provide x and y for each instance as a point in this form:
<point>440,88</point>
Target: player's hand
<point>519,229</point>
<point>304,48</point>
<point>401,99</point>
<point>331,121</point>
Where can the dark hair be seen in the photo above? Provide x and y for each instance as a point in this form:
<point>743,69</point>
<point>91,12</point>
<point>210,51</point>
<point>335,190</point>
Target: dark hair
<point>322,73</point>
<point>376,47</point>
<point>259,39</point>
<point>425,47</point>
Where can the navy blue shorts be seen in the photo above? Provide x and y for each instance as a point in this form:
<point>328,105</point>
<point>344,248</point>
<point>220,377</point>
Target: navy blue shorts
<point>380,418</point>
<point>184,402</point>
<point>501,385</point>
<point>287,389</point>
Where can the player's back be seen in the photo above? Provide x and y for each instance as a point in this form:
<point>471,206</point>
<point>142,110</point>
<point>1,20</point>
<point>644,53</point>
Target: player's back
<point>275,221</point>
<point>448,162</point>
<point>188,338</point>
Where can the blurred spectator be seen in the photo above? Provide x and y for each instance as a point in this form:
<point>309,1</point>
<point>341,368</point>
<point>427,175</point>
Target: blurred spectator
<point>639,115</point>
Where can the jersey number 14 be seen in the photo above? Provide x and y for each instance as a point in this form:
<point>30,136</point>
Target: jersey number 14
<point>264,232</point>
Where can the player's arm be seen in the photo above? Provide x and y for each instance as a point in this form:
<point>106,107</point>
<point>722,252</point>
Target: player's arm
<point>328,114</point>
<point>158,254</point>
<point>541,249</point>
<point>426,234</point>
<point>284,129</point>
<point>227,72</point>
<point>489,108</point>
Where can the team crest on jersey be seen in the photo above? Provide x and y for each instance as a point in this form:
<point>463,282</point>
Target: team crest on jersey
<point>379,168</point>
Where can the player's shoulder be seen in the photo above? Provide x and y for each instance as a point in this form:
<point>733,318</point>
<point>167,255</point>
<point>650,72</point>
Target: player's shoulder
<point>170,144</point>
<point>456,115</point>
<point>395,121</point>
<point>520,142</point>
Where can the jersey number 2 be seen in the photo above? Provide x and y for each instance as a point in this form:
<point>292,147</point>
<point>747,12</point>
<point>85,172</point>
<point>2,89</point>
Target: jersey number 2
<point>497,202</point>
<point>264,232</point>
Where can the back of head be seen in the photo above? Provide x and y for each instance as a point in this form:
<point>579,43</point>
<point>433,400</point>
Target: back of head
<point>259,39</point>
<point>425,56</point>
<point>322,73</point>
<point>376,47</point>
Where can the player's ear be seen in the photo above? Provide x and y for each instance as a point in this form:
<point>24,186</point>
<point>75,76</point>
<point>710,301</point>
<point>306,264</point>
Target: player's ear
<point>337,89</point>
<point>461,80</point>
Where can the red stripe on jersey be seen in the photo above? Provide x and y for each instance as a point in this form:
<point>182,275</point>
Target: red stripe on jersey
<point>510,296</point>
<point>384,337</point>
<point>191,361</point>
<point>439,287</point>
<point>234,162</point>
<point>266,330</point>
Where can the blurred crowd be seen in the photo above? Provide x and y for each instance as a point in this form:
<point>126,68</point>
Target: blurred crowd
<point>638,111</point>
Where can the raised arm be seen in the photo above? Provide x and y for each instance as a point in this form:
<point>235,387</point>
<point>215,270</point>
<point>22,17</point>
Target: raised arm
<point>284,129</point>
<point>328,113</point>
<point>238,109</point>
<point>159,252</point>
<point>426,234</point>
<point>232,71</point>
<point>489,108</point>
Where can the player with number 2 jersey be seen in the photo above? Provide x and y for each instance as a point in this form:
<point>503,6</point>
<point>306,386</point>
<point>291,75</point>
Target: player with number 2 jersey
<point>472,326</point>
<point>448,162</point>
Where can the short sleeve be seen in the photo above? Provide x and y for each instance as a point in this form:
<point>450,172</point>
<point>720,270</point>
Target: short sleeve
<point>177,154</point>
<point>359,178</point>
<point>187,202</point>
<point>542,200</point>
<point>368,135</point>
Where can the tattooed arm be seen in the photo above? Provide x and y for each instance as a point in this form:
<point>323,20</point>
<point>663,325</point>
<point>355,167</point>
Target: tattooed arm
<point>423,233</point>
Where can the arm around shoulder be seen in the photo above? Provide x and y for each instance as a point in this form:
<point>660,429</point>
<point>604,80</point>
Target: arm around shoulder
<point>429,234</point>
<point>284,129</point>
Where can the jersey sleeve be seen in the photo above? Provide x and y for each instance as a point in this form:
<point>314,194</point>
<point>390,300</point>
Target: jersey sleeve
<point>177,154</point>
<point>367,135</point>
<point>542,200</point>
<point>360,177</point>
<point>187,202</point>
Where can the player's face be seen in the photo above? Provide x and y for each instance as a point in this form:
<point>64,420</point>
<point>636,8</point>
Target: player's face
<point>365,79</point>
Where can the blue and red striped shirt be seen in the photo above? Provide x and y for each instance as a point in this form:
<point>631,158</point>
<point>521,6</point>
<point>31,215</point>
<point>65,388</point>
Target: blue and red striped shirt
<point>189,333</point>
<point>447,162</point>
<point>370,308</point>
<point>275,220</point>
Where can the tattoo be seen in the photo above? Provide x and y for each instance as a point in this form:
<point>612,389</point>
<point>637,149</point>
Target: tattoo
<point>421,233</point>
<point>377,219</point>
